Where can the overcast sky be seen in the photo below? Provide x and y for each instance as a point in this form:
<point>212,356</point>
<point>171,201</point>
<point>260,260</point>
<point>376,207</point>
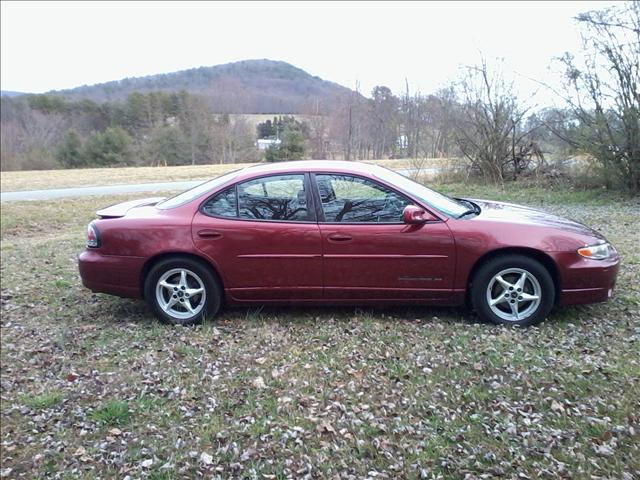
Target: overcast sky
<point>52,45</point>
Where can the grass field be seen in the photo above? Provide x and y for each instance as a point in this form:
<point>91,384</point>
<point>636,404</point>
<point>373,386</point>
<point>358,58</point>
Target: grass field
<point>43,179</point>
<point>94,387</point>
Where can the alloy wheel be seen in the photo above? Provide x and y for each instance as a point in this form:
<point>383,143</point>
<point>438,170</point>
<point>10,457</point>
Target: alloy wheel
<point>514,294</point>
<point>181,293</point>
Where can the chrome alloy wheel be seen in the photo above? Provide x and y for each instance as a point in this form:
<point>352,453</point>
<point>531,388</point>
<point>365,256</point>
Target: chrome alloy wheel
<point>181,293</point>
<point>514,294</point>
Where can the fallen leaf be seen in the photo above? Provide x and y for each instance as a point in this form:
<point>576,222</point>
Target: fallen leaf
<point>604,450</point>
<point>325,427</point>
<point>258,382</point>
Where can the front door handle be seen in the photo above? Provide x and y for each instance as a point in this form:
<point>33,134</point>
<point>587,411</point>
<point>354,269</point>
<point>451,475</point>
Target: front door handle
<point>340,237</point>
<point>210,234</point>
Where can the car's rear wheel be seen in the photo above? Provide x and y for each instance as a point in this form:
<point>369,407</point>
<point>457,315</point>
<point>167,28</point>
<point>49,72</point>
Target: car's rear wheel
<point>182,291</point>
<point>513,290</point>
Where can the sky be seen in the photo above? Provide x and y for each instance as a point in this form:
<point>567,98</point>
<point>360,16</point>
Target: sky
<point>56,45</point>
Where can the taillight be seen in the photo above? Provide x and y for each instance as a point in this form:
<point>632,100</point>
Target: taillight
<point>93,236</point>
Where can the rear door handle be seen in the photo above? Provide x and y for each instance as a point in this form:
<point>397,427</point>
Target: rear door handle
<point>340,237</point>
<point>210,234</point>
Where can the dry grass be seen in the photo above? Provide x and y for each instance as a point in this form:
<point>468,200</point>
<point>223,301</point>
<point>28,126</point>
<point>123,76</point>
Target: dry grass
<point>94,387</point>
<point>45,179</point>
<point>86,177</point>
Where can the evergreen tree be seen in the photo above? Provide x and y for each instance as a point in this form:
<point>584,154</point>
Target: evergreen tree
<point>110,148</point>
<point>69,153</point>
<point>292,146</point>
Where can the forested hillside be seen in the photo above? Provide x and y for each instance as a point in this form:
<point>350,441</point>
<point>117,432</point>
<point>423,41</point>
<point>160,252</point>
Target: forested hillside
<point>250,86</point>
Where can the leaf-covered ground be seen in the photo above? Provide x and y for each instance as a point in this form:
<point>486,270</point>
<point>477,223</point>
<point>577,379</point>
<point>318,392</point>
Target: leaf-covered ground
<point>94,387</point>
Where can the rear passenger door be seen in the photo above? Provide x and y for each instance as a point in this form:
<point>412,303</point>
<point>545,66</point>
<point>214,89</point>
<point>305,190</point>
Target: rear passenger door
<point>263,236</point>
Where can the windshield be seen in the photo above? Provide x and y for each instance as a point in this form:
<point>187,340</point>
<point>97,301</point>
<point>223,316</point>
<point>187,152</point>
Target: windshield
<point>197,191</point>
<point>446,205</point>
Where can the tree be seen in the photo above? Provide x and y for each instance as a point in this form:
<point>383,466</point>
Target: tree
<point>70,153</point>
<point>267,129</point>
<point>195,122</point>
<point>168,146</point>
<point>488,127</point>
<point>384,131</point>
<point>292,146</point>
<point>110,148</point>
<point>603,92</point>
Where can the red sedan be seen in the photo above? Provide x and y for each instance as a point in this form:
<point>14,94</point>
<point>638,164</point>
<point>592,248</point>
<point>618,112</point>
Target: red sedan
<point>323,232</point>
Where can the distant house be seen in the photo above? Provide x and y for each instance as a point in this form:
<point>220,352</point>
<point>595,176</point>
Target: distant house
<point>264,143</point>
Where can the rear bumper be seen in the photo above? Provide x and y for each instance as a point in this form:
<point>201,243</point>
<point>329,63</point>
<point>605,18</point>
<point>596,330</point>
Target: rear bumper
<point>115,275</point>
<point>588,281</point>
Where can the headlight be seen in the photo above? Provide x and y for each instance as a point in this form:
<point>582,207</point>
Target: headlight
<point>598,252</point>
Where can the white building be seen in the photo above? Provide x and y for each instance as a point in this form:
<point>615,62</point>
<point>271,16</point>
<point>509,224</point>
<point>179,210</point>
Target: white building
<point>264,143</point>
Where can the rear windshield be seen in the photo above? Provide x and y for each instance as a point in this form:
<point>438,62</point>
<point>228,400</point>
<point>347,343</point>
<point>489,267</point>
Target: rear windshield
<point>195,192</point>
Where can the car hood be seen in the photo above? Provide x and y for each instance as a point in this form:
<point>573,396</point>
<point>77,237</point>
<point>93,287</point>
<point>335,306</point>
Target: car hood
<point>121,209</point>
<point>519,214</point>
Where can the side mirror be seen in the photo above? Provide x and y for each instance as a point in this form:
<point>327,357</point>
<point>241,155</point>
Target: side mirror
<point>416,215</point>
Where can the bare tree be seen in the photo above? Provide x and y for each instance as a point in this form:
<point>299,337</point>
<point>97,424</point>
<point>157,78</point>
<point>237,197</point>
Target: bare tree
<point>488,127</point>
<point>603,91</point>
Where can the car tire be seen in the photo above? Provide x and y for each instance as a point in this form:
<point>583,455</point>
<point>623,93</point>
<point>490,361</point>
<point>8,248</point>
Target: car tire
<point>182,291</point>
<point>512,290</point>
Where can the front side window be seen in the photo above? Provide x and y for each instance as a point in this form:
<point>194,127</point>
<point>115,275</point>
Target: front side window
<point>348,199</point>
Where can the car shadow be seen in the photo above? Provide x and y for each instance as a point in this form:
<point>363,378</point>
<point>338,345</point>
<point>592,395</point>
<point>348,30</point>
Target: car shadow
<point>123,310</point>
<point>298,315</point>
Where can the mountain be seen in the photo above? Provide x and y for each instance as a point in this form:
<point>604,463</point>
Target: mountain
<point>10,93</point>
<point>249,86</point>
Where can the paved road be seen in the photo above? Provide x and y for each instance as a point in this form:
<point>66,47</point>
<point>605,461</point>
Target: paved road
<point>117,189</point>
<point>91,191</point>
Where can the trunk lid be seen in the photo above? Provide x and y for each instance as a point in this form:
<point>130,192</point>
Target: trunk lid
<point>121,209</point>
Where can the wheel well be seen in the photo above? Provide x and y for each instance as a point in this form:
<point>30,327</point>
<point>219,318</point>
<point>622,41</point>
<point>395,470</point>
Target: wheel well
<point>546,261</point>
<point>163,256</point>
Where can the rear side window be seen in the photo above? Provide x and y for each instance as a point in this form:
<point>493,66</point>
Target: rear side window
<point>281,197</point>
<point>276,198</point>
<point>223,204</point>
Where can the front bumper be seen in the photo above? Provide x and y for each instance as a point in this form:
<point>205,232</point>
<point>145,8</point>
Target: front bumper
<point>586,281</point>
<point>112,274</point>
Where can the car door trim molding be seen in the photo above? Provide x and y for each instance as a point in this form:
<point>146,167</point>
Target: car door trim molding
<point>373,255</point>
<point>281,255</point>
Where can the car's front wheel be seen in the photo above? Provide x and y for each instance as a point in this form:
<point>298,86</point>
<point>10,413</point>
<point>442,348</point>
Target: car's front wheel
<point>513,290</point>
<point>182,291</point>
